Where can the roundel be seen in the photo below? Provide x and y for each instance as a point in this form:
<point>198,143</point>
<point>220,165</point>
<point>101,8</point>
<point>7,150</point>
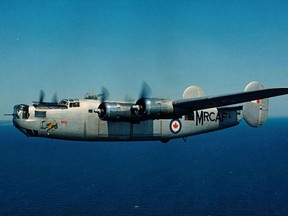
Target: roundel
<point>175,126</point>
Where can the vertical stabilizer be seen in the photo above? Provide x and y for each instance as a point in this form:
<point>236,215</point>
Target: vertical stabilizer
<point>193,92</point>
<point>255,112</point>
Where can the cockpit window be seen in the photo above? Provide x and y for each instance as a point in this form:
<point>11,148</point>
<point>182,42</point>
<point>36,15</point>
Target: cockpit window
<point>64,102</point>
<point>74,104</point>
<point>70,103</point>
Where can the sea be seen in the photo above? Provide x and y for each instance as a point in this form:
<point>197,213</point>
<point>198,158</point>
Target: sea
<point>237,171</point>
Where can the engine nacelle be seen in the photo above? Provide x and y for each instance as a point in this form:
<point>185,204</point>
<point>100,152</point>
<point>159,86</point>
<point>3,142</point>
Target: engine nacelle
<point>154,108</point>
<point>117,111</point>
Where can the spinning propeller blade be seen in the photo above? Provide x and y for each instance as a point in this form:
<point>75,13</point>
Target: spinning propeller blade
<point>41,97</point>
<point>55,98</point>
<point>104,94</point>
<point>145,90</point>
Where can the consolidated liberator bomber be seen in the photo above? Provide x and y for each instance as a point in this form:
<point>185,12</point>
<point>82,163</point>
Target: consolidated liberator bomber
<point>95,118</point>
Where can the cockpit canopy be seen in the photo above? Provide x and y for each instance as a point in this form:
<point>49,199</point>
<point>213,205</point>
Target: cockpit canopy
<point>70,103</point>
<point>91,96</point>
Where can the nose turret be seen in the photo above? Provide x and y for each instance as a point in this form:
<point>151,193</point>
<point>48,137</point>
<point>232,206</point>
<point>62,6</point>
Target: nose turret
<point>21,119</point>
<point>21,111</point>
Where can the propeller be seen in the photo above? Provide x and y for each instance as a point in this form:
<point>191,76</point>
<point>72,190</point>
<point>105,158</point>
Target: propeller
<point>55,98</point>
<point>145,90</point>
<point>42,97</point>
<point>103,97</point>
<point>104,94</point>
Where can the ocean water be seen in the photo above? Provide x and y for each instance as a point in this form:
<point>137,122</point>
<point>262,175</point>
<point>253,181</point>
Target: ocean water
<point>238,171</point>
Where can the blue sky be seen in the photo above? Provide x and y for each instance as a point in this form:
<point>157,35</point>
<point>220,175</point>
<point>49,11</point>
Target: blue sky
<point>74,47</point>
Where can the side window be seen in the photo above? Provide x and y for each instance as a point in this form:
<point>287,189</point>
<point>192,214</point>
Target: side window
<point>40,114</point>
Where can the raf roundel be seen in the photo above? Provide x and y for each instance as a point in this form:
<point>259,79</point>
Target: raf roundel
<point>175,126</point>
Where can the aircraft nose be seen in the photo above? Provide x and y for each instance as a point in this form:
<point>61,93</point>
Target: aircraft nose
<point>19,124</point>
<point>21,120</point>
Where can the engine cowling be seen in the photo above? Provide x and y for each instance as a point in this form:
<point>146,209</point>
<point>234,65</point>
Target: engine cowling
<point>154,108</point>
<point>117,111</point>
<point>144,109</point>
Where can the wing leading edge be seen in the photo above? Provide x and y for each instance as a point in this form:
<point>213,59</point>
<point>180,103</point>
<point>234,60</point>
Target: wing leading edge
<point>185,106</point>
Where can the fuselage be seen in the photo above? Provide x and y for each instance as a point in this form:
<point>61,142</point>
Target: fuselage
<point>78,120</point>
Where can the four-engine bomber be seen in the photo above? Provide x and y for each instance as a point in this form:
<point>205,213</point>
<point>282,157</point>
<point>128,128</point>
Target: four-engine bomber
<point>97,119</point>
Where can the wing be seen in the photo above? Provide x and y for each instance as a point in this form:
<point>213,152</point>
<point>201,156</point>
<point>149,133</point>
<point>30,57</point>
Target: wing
<point>185,106</point>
